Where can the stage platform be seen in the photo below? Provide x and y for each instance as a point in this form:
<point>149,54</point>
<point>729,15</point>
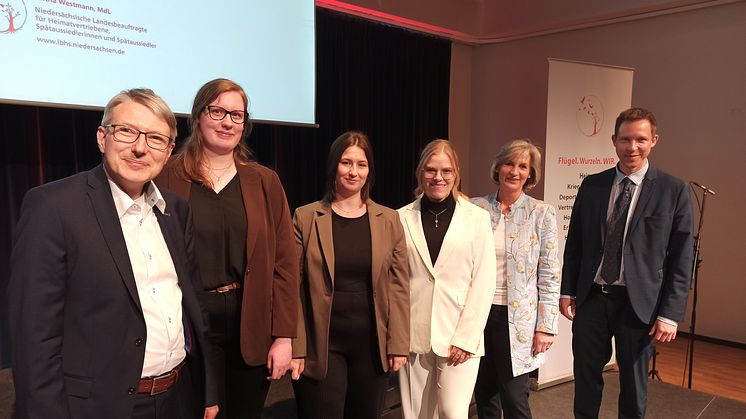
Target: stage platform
<point>664,401</point>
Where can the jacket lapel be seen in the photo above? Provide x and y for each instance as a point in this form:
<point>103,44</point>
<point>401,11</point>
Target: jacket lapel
<point>99,194</point>
<point>604,196</point>
<point>167,229</point>
<point>413,220</point>
<point>324,231</point>
<point>377,230</point>
<point>648,187</point>
<point>250,187</point>
<point>450,241</point>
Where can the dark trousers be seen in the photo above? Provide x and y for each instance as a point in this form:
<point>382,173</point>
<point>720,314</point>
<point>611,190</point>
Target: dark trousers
<point>352,389</point>
<point>176,403</point>
<point>598,319</point>
<point>242,388</point>
<point>355,383</point>
<point>497,392</point>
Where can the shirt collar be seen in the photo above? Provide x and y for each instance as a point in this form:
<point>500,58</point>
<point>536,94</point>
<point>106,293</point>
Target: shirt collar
<point>636,177</point>
<point>123,202</point>
<point>518,202</point>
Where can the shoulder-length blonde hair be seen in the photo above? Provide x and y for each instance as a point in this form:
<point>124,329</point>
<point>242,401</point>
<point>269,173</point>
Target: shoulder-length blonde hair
<point>520,147</point>
<point>187,163</point>
<point>436,147</point>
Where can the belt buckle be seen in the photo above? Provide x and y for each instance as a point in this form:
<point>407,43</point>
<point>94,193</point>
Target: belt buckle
<point>604,289</point>
<point>166,376</point>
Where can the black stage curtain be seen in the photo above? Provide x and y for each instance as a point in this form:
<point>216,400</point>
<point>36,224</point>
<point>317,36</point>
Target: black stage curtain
<point>388,82</point>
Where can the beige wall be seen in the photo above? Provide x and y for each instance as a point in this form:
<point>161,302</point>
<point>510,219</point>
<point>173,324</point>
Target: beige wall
<point>690,69</point>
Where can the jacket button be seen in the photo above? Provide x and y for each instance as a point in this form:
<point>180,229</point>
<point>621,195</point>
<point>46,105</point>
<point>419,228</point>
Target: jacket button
<point>138,342</point>
<point>131,390</point>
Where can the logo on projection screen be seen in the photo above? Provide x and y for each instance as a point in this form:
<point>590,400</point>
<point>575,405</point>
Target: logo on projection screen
<point>590,115</point>
<point>12,16</point>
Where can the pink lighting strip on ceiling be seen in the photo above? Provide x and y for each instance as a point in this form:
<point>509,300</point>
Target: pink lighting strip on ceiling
<point>395,20</point>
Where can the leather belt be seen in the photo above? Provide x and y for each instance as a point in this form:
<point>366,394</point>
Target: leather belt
<point>225,288</point>
<point>610,289</point>
<point>161,383</point>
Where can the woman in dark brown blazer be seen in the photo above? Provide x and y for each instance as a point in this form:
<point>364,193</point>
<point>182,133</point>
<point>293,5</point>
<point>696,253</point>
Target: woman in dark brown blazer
<point>354,291</point>
<point>244,244</point>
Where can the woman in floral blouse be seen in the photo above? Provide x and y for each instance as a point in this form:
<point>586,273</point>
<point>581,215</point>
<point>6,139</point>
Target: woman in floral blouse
<point>523,318</point>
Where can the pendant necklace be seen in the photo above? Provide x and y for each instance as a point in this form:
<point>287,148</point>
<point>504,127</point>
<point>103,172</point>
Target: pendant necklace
<point>348,211</point>
<point>436,214</point>
<point>222,170</point>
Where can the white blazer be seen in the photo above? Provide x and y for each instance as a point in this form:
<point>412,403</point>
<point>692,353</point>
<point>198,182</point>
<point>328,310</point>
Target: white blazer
<point>450,301</point>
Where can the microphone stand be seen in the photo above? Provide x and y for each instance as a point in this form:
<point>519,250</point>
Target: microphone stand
<point>695,271</point>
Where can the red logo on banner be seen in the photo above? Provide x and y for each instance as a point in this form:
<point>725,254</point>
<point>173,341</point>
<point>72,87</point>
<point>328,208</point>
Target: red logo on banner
<point>590,115</point>
<point>12,16</point>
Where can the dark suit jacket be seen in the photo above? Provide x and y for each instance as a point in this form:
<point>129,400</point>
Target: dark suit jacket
<point>77,327</point>
<point>270,296</point>
<point>658,248</point>
<point>389,272</point>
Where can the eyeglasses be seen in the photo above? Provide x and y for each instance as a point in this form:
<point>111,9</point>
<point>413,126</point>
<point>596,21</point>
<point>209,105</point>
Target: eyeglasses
<point>127,134</point>
<point>217,113</point>
<point>446,174</point>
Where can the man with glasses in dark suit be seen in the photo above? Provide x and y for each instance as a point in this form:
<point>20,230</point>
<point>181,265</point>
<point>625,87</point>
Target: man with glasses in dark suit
<point>105,313</point>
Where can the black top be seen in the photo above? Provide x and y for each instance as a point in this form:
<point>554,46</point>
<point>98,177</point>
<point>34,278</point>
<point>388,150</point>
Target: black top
<point>430,212</point>
<point>220,233</point>
<point>352,253</point>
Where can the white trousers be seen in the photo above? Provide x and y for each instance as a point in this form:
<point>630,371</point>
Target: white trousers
<point>431,389</point>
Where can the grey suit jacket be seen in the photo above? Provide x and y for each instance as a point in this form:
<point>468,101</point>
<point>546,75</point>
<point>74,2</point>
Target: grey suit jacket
<point>657,251</point>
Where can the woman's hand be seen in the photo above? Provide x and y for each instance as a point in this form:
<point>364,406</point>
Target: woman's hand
<point>297,365</point>
<point>542,342</point>
<point>278,358</point>
<point>396,362</point>
<point>211,412</point>
<point>457,355</point>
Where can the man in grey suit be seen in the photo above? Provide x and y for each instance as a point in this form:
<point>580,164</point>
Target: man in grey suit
<point>627,267</point>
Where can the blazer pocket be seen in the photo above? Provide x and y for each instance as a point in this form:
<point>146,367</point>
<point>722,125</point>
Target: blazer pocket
<point>78,386</point>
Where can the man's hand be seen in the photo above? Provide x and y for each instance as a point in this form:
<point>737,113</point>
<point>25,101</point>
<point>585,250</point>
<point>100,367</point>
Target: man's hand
<point>663,332</point>
<point>297,365</point>
<point>278,358</point>
<point>396,362</point>
<point>457,355</point>
<point>567,307</point>
<point>211,412</point>
<point>542,342</point>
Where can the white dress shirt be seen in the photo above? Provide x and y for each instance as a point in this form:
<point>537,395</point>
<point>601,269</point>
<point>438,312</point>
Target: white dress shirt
<point>155,276</point>
<point>637,179</point>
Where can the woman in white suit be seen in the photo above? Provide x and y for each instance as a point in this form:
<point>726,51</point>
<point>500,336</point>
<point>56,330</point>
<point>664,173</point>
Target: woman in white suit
<point>451,256</point>
<point>523,318</point>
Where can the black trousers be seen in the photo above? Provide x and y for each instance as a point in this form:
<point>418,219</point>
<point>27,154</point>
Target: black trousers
<point>176,403</point>
<point>355,383</point>
<point>242,388</point>
<point>598,319</point>
<point>497,392</point>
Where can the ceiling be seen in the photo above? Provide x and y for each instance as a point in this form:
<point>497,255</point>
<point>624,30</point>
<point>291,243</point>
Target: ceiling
<point>494,21</point>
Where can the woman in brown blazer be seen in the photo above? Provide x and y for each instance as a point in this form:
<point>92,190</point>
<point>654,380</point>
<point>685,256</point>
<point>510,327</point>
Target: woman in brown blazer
<point>354,291</point>
<point>244,244</point>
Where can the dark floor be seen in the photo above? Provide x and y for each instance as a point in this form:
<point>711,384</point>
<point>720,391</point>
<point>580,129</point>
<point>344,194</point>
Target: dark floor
<point>664,401</point>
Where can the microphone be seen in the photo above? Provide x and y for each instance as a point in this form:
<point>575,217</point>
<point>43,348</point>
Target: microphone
<point>704,188</point>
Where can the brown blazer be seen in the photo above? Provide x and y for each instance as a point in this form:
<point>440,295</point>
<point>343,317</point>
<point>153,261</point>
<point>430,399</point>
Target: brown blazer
<point>390,275</point>
<point>270,296</point>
